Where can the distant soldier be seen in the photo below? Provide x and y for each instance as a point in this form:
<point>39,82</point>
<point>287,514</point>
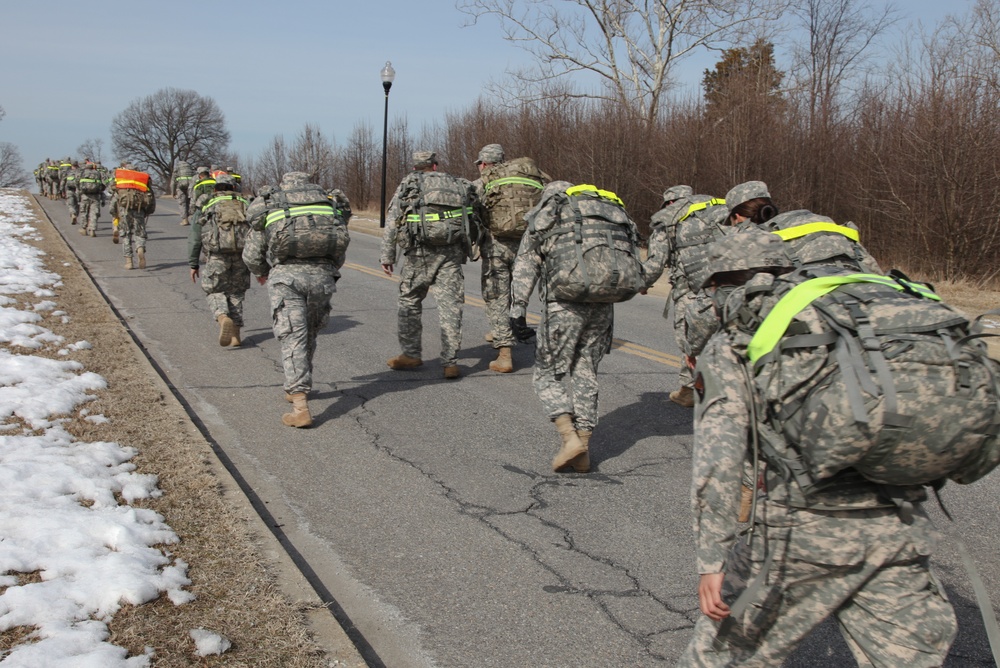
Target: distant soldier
<point>220,231</point>
<point>296,246</point>
<point>433,218</point>
<point>203,187</point>
<point>51,178</point>
<point>64,169</point>
<point>40,178</point>
<point>183,176</point>
<point>132,203</point>
<point>91,187</point>
<point>72,196</point>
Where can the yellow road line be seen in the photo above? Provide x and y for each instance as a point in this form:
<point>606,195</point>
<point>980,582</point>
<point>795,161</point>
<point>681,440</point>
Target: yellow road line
<point>616,344</point>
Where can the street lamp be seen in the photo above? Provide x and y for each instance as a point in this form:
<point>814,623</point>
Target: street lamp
<point>387,74</point>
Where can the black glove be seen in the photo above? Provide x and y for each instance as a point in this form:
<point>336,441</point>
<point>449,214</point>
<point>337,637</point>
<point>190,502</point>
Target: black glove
<point>522,332</point>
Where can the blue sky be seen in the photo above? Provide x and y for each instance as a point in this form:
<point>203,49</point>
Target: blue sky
<point>69,67</point>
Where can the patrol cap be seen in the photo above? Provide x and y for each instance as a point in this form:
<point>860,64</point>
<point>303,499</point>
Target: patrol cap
<point>203,170</point>
<point>224,180</point>
<point>677,192</point>
<point>490,154</point>
<point>290,179</point>
<point>750,250</point>
<point>745,192</point>
<point>424,159</point>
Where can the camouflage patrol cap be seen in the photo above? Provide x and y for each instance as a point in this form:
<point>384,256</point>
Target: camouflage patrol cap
<point>224,180</point>
<point>203,170</point>
<point>677,192</point>
<point>424,159</point>
<point>290,179</point>
<point>750,250</point>
<point>745,192</point>
<point>490,154</point>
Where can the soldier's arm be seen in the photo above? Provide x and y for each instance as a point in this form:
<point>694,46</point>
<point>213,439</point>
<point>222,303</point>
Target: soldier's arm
<point>524,276</point>
<point>255,254</point>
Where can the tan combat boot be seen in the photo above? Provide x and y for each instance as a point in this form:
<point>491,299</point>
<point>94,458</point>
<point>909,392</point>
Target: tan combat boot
<point>299,417</point>
<point>184,221</point>
<point>128,262</point>
<point>451,372</point>
<point>489,337</point>
<point>503,363</point>
<point>72,221</point>
<point>236,342</point>
<point>683,397</point>
<point>92,233</point>
<point>404,361</point>
<point>225,329</point>
<point>581,463</point>
<point>141,252</point>
<point>83,231</point>
<point>572,446</point>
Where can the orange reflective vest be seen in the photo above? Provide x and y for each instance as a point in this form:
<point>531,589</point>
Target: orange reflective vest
<point>127,178</point>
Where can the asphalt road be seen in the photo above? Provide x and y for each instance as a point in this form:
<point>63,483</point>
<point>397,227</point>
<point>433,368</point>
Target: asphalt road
<point>425,509</point>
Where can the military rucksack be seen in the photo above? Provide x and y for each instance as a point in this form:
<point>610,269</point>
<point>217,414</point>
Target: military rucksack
<point>510,190</point>
<point>697,225</point>
<point>437,210</point>
<point>224,226</point>
<point>813,239</point>
<point>873,373</point>
<point>90,182</point>
<point>590,249</point>
<point>301,223</point>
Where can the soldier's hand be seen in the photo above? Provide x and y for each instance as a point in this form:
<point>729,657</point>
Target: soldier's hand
<point>523,333</point>
<point>710,596</point>
<point>387,268</point>
<point>194,274</point>
<point>262,280</point>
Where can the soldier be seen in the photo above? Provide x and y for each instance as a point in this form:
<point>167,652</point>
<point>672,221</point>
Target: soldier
<point>683,228</point>
<point>300,285</point>
<point>132,202</point>
<point>846,550</point>
<point>221,231</point>
<point>91,187</point>
<point>51,178</point>
<point>64,169</point>
<point>182,186</point>
<point>40,178</point>
<point>204,186</point>
<point>574,335</point>
<point>507,191</point>
<point>433,217</point>
<point>72,196</point>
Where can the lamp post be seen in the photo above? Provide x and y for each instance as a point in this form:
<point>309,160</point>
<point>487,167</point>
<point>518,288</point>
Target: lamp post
<point>387,74</point>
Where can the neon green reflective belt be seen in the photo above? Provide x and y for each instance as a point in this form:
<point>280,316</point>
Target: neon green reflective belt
<point>431,217</point>
<point>216,200</point>
<point>701,206</point>
<point>803,294</point>
<point>603,194</point>
<point>513,179</point>
<point>813,228</point>
<point>182,178</point>
<point>305,210</point>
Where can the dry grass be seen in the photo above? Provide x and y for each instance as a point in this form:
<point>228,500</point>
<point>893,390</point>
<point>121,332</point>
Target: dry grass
<point>237,594</point>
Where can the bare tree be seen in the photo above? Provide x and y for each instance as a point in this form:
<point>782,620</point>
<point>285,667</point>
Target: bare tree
<point>629,47</point>
<point>170,125</point>
<point>12,174</point>
<point>313,154</point>
<point>272,163</point>
<point>92,148</point>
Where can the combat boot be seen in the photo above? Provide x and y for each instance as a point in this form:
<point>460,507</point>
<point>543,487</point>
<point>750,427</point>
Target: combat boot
<point>404,361</point>
<point>141,252</point>
<point>581,463</point>
<point>128,262</point>
<point>683,397</point>
<point>489,337</point>
<point>184,221</point>
<point>83,231</point>
<point>92,233</point>
<point>451,372</point>
<point>72,221</point>
<point>572,446</point>
<point>236,342</point>
<point>299,417</point>
<point>503,363</point>
<point>225,329</point>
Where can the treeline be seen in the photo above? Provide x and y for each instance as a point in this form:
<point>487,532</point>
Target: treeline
<point>911,157</point>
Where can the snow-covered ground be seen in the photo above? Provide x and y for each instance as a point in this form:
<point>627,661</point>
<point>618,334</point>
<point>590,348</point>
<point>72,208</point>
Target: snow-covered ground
<point>60,515</point>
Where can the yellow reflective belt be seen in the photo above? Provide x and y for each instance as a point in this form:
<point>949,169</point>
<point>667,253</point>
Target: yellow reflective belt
<point>603,194</point>
<point>305,210</point>
<point>182,178</point>
<point>802,295</point>
<point>215,200</point>
<point>813,228</point>
<point>431,217</point>
<point>701,206</point>
<point>513,179</point>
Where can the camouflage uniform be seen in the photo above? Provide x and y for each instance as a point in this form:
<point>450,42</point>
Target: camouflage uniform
<point>90,203</point>
<point>203,184</point>
<point>64,168</point>
<point>182,189</point>
<point>225,277</point>
<point>843,551</point>
<point>51,179</point>
<point>131,226</point>
<point>300,292</point>
<point>425,266</point>
<point>572,339</point>
<point>72,195</point>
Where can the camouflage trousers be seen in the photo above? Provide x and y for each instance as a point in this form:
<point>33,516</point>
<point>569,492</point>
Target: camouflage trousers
<point>864,567</point>
<point>225,279</point>
<point>183,200</point>
<point>572,341</point>
<point>132,231</point>
<point>440,267</point>
<point>90,211</point>
<point>72,202</point>
<point>695,321</point>
<point>498,264</point>
<point>300,297</point>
